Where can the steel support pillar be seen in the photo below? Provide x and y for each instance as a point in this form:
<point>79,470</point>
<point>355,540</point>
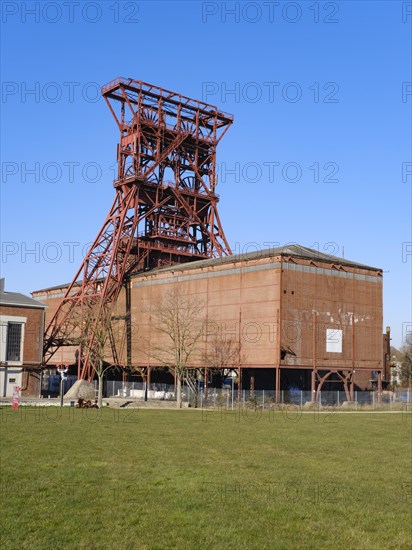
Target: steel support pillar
<point>277,385</point>
<point>313,386</point>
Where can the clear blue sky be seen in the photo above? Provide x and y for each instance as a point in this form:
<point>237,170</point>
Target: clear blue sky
<point>321,138</point>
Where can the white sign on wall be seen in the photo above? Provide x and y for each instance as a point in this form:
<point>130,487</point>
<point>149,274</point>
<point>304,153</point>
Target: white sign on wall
<point>333,340</point>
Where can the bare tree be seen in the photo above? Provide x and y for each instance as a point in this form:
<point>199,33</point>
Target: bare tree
<point>179,317</point>
<point>406,363</point>
<point>96,322</point>
<point>222,354</point>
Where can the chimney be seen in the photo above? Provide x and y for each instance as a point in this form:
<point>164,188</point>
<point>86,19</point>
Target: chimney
<point>2,281</point>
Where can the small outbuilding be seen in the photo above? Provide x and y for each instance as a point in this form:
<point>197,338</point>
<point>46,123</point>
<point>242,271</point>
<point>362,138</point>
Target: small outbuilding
<point>21,342</point>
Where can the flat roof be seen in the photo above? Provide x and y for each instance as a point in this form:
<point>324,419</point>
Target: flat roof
<point>292,250</point>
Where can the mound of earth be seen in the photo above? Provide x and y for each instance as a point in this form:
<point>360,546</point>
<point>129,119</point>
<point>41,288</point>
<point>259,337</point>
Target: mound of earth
<point>81,390</point>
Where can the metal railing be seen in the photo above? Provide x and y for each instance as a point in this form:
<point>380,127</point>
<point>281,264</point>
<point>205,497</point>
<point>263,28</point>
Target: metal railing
<point>260,399</point>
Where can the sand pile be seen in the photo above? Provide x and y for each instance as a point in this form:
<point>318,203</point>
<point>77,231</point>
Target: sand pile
<point>81,390</point>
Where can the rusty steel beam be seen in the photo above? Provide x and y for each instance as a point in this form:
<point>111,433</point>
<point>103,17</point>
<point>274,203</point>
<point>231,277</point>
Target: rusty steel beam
<point>165,208</point>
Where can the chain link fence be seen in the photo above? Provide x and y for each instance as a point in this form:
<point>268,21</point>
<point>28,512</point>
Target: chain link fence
<point>260,399</point>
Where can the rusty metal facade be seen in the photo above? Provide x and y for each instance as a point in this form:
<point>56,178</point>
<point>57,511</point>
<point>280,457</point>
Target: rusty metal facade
<point>285,310</point>
<point>165,206</point>
<point>331,323</point>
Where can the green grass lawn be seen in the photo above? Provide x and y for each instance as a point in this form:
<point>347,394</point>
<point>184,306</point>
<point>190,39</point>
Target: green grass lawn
<point>154,479</point>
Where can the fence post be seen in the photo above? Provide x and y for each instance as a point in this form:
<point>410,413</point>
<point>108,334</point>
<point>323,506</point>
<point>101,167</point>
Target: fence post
<point>373,400</point>
<point>356,398</point>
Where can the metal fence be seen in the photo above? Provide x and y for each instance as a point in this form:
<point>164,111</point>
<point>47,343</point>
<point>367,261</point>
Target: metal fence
<point>263,399</point>
<point>139,390</point>
<point>266,399</point>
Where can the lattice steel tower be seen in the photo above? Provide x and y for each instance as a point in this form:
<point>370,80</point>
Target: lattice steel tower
<point>165,208</point>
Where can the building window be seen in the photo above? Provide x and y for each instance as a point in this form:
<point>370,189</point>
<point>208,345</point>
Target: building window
<point>13,342</point>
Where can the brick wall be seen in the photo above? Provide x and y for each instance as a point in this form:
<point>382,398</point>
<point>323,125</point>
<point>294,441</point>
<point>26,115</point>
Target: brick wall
<point>26,372</point>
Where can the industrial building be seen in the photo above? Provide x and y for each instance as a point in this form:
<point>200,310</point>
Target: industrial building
<point>299,317</point>
<point>302,318</point>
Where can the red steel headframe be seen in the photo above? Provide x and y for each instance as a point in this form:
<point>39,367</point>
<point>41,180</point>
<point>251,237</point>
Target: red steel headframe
<point>165,208</point>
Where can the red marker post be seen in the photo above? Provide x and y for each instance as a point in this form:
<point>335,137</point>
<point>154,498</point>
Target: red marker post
<point>16,397</point>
